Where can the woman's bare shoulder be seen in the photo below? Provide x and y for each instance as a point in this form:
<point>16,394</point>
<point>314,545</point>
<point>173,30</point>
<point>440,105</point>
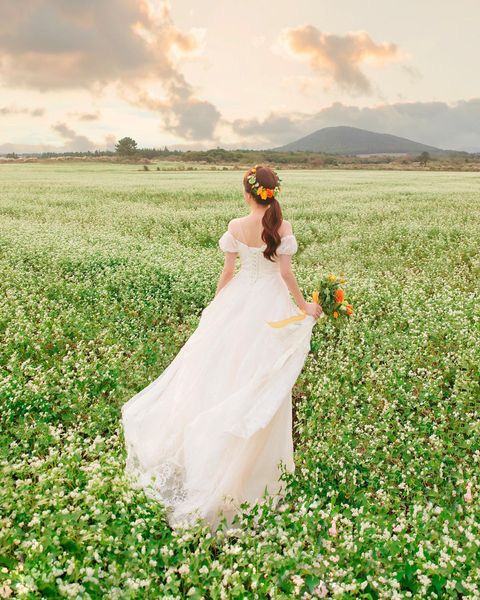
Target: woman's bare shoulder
<point>233,224</point>
<point>285,228</point>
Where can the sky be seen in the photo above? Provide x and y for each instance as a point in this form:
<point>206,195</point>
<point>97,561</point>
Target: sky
<point>78,76</point>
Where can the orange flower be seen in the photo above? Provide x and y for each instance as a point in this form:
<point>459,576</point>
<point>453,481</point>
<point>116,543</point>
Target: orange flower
<point>349,309</point>
<point>335,314</point>
<point>269,192</point>
<point>339,295</point>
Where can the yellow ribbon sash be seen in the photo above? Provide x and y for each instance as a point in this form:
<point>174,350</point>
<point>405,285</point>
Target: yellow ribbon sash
<point>289,320</point>
<point>292,319</point>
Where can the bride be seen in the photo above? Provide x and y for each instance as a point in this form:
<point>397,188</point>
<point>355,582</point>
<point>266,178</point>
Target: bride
<point>213,430</point>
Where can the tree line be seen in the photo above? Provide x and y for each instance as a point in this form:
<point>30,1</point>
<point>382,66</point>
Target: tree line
<point>127,149</point>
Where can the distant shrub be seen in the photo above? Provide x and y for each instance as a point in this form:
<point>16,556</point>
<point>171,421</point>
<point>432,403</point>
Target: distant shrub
<point>424,158</point>
<point>330,160</point>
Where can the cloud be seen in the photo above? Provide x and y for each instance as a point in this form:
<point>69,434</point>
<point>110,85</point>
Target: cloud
<point>85,116</point>
<point>339,57</point>
<point>183,114</point>
<point>73,141</point>
<point>451,126</point>
<point>48,44</point>
<point>275,128</point>
<point>110,141</point>
<point>134,46</point>
<point>414,73</point>
<point>18,110</point>
<point>26,148</point>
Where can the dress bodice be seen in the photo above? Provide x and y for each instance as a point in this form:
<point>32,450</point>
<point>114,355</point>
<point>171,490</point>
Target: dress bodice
<point>253,264</point>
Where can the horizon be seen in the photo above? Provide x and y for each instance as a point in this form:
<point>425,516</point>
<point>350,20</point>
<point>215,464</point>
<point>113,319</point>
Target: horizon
<point>174,148</point>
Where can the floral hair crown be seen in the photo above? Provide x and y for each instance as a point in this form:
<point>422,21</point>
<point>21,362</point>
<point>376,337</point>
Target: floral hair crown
<point>260,190</point>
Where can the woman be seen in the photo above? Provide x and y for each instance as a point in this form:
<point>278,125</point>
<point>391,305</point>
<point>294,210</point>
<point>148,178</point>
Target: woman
<point>212,430</point>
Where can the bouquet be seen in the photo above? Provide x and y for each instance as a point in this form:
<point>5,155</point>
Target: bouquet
<point>331,297</point>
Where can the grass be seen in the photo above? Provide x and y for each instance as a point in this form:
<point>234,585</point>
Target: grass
<point>105,270</point>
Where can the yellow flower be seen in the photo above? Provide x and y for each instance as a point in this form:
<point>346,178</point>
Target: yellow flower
<point>262,192</point>
<point>332,277</point>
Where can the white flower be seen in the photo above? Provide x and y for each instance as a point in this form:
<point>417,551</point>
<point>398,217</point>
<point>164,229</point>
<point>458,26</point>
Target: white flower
<point>320,590</point>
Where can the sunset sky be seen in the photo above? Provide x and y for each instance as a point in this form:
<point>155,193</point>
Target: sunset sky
<point>78,75</point>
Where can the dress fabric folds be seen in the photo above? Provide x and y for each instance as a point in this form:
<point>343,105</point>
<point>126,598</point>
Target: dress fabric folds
<point>212,431</point>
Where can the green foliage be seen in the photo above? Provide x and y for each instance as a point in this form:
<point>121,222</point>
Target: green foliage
<point>423,158</point>
<point>104,276</point>
<point>126,146</point>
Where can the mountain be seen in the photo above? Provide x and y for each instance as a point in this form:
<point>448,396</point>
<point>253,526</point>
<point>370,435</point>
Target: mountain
<point>351,140</point>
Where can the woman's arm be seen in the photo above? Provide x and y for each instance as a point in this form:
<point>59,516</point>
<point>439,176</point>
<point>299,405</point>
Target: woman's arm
<point>312,308</point>
<point>228,270</point>
<point>285,261</point>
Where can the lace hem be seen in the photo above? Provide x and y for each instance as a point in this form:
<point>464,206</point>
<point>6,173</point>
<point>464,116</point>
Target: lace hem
<point>165,484</point>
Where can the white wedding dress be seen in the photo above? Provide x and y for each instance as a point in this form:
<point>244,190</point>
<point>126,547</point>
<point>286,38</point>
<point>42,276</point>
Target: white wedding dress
<point>211,431</point>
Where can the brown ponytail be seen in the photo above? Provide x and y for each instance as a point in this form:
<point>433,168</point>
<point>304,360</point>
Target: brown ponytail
<point>272,219</point>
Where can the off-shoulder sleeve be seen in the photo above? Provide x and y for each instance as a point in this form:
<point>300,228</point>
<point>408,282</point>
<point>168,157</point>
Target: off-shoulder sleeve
<point>228,243</point>
<point>288,245</point>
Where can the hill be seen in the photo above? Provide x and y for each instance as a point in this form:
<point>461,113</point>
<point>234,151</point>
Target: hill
<point>351,140</point>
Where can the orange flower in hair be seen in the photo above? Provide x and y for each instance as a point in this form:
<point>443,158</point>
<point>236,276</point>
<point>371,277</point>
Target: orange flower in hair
<point>262,192</point>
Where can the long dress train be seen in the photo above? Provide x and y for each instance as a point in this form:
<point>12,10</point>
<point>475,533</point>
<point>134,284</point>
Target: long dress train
<point>211,431</point>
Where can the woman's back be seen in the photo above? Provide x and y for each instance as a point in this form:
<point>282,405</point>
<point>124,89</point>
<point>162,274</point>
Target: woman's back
<point>248,230</point>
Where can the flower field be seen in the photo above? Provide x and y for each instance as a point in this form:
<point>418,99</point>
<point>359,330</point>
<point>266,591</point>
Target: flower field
<point>105,270</point>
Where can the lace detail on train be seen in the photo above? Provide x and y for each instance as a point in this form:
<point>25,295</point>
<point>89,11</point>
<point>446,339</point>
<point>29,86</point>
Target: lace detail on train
<point>165,484</point>
<point>209,433</point>
<point>167,478</point>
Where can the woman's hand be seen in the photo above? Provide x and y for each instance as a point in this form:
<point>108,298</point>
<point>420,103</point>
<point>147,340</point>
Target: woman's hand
<point>314,309</point>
